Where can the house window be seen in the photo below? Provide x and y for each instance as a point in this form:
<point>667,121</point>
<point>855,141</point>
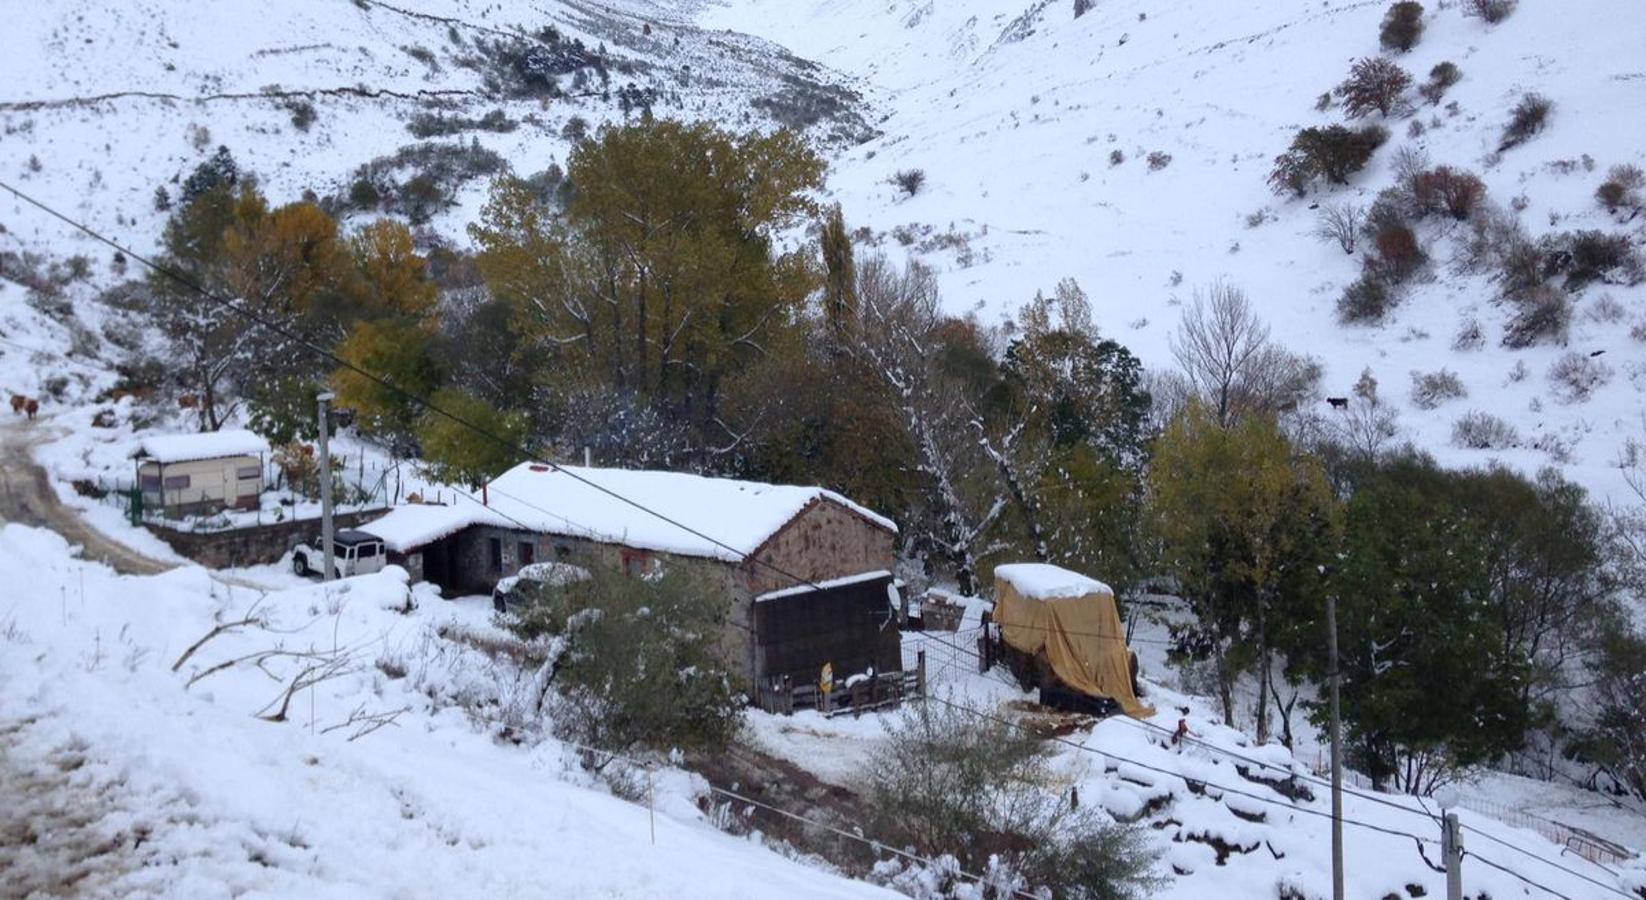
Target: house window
<point>176,482</point>
<point>246,473</point>
<point>562,551</point>
<point>496,547</point>
<point>528,553</point>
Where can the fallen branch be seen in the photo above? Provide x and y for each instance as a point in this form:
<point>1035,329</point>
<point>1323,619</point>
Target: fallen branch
<point>365,723</point>
<point>250,619</point>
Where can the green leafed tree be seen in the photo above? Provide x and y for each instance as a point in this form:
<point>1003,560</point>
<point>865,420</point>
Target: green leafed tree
<point>473,444</point>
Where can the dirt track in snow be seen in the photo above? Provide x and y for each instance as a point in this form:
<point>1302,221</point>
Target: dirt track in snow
<point>27,498</point>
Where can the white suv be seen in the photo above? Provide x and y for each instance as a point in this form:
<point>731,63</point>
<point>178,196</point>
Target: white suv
<point>353,553</point>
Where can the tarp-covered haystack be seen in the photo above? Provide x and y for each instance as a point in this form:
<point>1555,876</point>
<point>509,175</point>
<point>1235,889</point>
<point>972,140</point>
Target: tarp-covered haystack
<point>1072,622</point>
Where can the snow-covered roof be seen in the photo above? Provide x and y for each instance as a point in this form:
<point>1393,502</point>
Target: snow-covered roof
<point>732,518</point>
<point>828,583</point>
<point>587,502</point>
<point>171,448</point>
<point>414,525</point>
<point>1042,581</point>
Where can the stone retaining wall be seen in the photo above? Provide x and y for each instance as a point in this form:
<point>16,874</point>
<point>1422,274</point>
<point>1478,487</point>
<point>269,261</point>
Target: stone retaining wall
<point>254,545</point>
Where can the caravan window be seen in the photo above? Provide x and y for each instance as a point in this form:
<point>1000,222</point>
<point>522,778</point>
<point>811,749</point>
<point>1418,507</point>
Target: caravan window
<point>246,473</point>
<point>176,482</point>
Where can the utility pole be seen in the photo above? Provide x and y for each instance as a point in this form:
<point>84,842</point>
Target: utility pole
<point>1451,846</point>
<point>1337,747</point>
<point>322,400</point>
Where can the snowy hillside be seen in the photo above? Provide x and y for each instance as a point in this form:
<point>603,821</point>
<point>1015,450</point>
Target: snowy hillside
<point>138,776</point>
<point>1013,109</point>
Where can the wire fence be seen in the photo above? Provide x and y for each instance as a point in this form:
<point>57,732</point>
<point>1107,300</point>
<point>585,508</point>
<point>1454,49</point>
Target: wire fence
<point>1581,843</point>
<point>356,488</point>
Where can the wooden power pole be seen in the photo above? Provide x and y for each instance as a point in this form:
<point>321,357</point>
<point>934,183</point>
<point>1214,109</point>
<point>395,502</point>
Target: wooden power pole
<point>327,550</point>
<point>1337,748</point>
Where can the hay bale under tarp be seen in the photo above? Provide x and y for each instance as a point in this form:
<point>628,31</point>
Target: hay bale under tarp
<point>1071,619</point>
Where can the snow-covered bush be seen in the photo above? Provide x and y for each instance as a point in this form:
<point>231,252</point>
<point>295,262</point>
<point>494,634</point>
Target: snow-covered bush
<point>1402,26</point>
<point>1576,376</point>
<point>1606,310</point>
<point>634,661</point>
<point>949,783</point>
<point>1365,302</point>
<point>1431,389</point>
<point>1492,11</point>
<point>1621,189</point>
<point>1483,431</point>
<point>1586,256</point>
<point>1398,254</point>
<point>1446,190</point>
<point>1544,315</point>
<point>1374,84</point>
<point>1441,78</point>
<point>1528,118</point>
<point>1332,152</point>
<point>909,181</point>
<point>1469,335</point>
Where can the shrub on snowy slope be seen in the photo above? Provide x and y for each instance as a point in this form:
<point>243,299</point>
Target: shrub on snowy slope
<point>1402,26</point>
<point>633,660</point>
<point>1527,119</point>
<point>950,783</point>
<point>1332,152</point>
<point>1374,83</point>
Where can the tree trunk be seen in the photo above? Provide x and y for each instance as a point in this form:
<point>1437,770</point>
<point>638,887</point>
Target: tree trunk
<point>1263,665</point>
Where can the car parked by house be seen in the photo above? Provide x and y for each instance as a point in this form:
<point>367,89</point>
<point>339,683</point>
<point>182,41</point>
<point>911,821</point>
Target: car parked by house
<point>354,552</point>
<point>509,593</point>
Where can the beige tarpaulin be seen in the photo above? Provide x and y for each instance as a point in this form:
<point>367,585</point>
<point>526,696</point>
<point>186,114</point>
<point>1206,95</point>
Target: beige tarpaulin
<point>1074,621</point>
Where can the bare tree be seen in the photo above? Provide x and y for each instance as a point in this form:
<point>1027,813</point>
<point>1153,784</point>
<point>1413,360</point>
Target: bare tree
<point>900,341</point>
<point>1341,223</point>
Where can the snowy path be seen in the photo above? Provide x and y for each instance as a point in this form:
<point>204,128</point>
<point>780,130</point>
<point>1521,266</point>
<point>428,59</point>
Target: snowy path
<point>27,498</point>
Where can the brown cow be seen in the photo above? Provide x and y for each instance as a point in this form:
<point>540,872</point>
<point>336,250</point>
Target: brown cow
<point>32,407</point>
<point>18,401</point>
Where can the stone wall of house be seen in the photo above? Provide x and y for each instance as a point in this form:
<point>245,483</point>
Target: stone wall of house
<point>825,541</point>
<point>253,545</point>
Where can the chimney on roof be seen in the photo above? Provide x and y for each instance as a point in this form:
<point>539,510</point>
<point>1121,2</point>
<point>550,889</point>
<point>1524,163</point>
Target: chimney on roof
<point>485,494</point>
<point>588,457</point>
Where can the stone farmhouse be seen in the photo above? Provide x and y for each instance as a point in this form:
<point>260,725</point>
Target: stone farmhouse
<point>817,565</point>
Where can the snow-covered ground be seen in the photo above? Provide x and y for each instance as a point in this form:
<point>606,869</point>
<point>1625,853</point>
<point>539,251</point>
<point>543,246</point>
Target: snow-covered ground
<point>136,782</point>
<point>1194,797</point>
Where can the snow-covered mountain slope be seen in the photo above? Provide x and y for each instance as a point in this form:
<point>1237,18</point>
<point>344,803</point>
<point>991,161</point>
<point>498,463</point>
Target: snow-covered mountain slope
<point>1012,108</point>
<point>102,102</point>
<point>137,780</point>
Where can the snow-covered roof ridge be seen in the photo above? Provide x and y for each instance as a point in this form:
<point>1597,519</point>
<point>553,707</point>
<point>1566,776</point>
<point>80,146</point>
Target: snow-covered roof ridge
<point>824,584</point>
<point>1041,581</point>
<point>171,448</point>
<point>732,518</point>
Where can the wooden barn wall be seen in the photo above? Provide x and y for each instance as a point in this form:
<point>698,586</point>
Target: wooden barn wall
<point>848,626</point>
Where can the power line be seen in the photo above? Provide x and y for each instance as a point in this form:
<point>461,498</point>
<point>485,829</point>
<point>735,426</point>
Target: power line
<point>1523,878</point>
<point>1160,771</point>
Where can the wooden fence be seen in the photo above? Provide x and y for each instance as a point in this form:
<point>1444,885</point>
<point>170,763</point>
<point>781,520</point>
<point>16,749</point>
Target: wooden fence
<point>882,690</point>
